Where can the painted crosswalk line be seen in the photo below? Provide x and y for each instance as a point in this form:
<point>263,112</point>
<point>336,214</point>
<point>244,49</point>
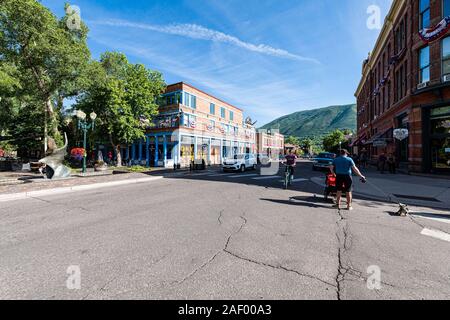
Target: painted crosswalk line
<point>436,234</point>
<point>244,176</point>
<point>443,220</point>
<point>267,178</point>
<point>297,180</point>
<point>222,175</point>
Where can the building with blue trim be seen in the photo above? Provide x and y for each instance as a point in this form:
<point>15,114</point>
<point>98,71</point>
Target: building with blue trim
<point>192,126</point>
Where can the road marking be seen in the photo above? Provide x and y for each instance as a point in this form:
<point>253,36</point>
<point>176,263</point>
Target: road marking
<point>267,178</point>
<point>436,234</point>
<point>244,176</point>
<point>443,220</point>
<point>198,174</point>
<point>222,175</point>
<point>297,180</point>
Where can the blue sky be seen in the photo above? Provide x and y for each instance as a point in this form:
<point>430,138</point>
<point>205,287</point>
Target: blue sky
<point>268,57</point>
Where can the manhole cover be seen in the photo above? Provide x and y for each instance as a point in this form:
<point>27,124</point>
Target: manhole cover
<point>416,198</point>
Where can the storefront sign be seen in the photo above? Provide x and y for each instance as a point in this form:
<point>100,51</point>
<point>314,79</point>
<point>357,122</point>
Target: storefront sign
<point>380,143</point>
<point>401,134</point>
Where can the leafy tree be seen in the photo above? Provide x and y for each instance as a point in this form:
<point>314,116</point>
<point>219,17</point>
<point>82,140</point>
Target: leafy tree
<point>292,140</point>
<point>331,142</point>
<point>122,96</point>
<point>50,57</point>
<point>307,145</point>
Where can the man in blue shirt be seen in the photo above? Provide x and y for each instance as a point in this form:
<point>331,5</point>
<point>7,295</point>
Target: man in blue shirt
<point>342,168</point>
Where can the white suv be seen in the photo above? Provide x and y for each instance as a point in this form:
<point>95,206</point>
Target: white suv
<point>240,162</point>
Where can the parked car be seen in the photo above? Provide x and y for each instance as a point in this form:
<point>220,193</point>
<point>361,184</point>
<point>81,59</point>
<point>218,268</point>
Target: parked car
<point>240,162</point>
<point>323,161</point>
<point>263,158</point>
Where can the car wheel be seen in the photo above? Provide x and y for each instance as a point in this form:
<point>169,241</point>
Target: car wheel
<point>242,168</point>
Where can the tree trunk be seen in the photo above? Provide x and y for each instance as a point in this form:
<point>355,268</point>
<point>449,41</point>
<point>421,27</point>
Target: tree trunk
<point>52,118</point>
<point>118,155</point>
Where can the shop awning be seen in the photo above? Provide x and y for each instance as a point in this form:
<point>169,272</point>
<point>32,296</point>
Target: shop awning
<point>358,140</point>
<point>379,135</point>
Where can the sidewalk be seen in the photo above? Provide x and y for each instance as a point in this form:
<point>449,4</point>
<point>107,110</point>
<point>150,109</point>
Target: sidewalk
<point>72,183</point>
<point>412,190</point>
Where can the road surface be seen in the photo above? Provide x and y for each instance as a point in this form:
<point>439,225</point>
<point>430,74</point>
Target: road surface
<point>211,235</point>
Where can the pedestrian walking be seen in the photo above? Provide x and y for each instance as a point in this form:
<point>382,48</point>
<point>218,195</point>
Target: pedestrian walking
<point>342,168</point>
<point>392,164</point>
<point>382,162</point>
<point>364,159</point>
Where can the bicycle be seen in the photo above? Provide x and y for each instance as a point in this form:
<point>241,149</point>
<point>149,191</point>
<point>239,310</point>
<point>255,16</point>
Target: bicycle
<point>288,176</point>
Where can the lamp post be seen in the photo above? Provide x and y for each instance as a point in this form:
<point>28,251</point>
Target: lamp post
<point>85,126</point>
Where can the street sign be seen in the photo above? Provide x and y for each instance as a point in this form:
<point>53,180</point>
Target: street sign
<point>380,143</point>
<point>401,134</point>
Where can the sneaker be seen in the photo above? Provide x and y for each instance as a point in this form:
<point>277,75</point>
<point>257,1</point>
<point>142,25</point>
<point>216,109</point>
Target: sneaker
<point>350,208</point>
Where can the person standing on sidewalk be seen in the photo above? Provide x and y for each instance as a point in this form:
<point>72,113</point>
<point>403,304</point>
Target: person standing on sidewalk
<point>382,162</point>
<point>392,164</point>
<point>342,168</point>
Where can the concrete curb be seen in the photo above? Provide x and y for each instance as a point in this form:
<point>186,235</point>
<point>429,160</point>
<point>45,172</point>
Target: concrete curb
<point>64,190</point>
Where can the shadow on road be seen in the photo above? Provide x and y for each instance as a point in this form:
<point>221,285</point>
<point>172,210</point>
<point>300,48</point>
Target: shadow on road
<point>310,202</point>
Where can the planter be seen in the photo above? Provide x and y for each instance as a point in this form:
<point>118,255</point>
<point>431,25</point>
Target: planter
<point>100,168</point>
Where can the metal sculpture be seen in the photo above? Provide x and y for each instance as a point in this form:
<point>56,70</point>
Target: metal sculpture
<point>53,163</point>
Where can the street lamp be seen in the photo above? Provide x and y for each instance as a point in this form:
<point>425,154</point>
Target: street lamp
<point>85,126</point>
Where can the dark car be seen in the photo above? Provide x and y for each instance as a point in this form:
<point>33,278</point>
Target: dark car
<point>323,161</point>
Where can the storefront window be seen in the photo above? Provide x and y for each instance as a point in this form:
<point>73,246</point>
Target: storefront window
<point>202,149</point>
<point>440,138</point>
<point>215,151</point>
<point>226,149</point>
<point>440,152</point>
<point>187,150</point>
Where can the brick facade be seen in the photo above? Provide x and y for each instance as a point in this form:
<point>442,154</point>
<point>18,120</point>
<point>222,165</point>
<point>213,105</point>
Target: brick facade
<point>389,95</point>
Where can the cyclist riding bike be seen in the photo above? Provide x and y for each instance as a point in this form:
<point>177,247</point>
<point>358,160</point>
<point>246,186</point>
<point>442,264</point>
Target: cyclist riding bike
<point>291,163</point>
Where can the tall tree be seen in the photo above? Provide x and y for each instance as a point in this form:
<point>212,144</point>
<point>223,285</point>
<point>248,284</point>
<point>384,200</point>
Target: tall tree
<point>50,54</point>
<point>122,95</point>
<point>334,140</point>
<point>292,140</point>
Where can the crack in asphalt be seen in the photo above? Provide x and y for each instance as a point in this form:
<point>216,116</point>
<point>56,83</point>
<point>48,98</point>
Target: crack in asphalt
<point>210,260</point>
<point>108,282</point>
<point>344,241</point>
<point>227,251</point>
<point>279,268</point>
<point>342,247</point>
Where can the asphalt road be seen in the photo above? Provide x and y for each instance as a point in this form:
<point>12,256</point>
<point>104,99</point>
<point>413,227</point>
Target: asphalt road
<point>210,235</point>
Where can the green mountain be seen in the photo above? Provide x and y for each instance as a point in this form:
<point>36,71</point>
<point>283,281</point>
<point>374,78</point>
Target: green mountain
<point>318,122</point>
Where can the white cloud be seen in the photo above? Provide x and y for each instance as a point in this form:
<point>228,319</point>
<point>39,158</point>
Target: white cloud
<point>194,31</point>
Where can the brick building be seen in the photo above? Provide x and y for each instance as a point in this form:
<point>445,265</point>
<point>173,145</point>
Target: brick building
<point>270,143</point>
<point>406,85</point>
<point>193,125</point>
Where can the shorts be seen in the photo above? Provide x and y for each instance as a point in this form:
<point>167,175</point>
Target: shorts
<point>344,183</point>
<point>292,169</point>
